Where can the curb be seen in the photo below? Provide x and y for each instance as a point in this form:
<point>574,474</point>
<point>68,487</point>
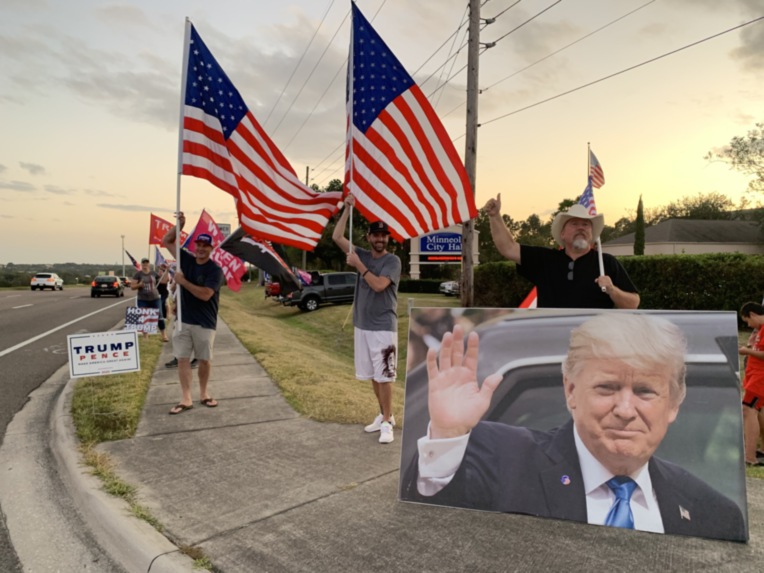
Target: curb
<point>131,542</point>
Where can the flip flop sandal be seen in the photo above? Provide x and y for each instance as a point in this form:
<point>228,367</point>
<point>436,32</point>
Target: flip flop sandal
<point>179,409</point>
<point>209,402</point>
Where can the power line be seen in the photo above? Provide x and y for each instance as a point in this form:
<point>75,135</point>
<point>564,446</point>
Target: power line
<point>621,72</point>
<point>313,37</point>
<point>568,45</point>
<point>515,29</point>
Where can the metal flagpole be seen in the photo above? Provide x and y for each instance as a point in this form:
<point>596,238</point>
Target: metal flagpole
<point>350,126</point>
<point>186,46</point>
<point>589,180</point>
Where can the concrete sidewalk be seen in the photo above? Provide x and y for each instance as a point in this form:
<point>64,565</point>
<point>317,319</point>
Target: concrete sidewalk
<point>260,489</point>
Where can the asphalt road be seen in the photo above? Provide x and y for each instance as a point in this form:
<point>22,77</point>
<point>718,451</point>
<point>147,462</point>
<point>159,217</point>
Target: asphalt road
<point>33,331</point>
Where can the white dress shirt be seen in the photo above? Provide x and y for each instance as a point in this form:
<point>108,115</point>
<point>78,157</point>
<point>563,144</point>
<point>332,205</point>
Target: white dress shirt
<point>440,459</point>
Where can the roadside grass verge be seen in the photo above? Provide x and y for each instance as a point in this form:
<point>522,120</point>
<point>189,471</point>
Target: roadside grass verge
<point>106,408</point>
<point>309,355</point>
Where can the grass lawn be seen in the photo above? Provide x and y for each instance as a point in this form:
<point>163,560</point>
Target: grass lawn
<point>309,355</point>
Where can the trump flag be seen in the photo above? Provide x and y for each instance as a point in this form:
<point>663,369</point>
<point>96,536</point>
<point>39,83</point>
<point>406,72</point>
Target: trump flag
<point>224,144</point>
<point>400,163</point>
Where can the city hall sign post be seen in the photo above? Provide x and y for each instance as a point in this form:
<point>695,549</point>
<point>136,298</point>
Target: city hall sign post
<point>443,247</point>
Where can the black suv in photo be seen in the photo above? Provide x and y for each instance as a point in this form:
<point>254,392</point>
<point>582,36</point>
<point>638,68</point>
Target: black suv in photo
<point>324,288</point>
<point>106,285</point>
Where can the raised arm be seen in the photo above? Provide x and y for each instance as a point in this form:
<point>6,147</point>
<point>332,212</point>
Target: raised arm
<point>455,400</point>
<point>502,237</point>
<point>339,229</point>
<point>169,241</point>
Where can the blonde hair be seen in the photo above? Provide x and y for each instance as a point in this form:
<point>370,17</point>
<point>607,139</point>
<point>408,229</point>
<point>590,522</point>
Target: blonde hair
<point>639,340</point>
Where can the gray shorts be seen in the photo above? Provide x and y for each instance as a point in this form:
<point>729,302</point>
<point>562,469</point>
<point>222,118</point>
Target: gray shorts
<point>192,338</point>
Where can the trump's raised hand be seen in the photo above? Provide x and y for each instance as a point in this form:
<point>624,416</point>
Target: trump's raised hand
<point>456,401</point>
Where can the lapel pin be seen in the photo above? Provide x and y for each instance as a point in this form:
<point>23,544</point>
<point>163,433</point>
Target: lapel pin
<point>565,480</point>
<point>683,513</point>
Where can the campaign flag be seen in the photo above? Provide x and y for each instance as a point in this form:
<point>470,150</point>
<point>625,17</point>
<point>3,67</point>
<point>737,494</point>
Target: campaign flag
<point>531,299</point>
<point>207,225</point>
<point>132,260</point>
<point>159,228</point>
<point>596,175</point>
<point>401,165</point>
<point>223,143</point>
<point>587,199</point>
<point>142,319</point>
<point>233,267</point>
<point>263,256</point>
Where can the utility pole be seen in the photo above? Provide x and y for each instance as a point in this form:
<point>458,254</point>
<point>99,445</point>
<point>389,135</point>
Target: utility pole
<point>304,252</point>
<point>470,151</point>
<point>123,255</point>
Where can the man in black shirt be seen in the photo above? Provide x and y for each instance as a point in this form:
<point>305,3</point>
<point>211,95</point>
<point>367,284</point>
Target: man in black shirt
<point>567,277</point>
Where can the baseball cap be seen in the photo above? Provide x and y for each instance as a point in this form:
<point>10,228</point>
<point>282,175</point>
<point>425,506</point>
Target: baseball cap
<point>204,238</point>
<point>379,227</point>
<point>145,260</point>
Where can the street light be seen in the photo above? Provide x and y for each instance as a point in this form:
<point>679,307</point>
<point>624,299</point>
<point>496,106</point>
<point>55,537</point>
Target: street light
<point>123,255</point>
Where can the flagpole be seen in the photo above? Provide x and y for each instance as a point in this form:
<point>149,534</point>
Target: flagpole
<point>350,126</point>
<point>181,113</point>
<point>589,179</point>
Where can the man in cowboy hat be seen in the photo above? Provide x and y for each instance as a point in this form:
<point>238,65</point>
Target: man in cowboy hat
<point>568,277</point>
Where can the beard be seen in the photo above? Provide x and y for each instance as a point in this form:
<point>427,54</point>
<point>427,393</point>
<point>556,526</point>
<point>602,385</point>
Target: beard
<point>580,243</point>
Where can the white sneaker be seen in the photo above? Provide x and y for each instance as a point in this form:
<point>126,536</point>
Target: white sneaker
<point>386,433</point>
<point>374,426</point>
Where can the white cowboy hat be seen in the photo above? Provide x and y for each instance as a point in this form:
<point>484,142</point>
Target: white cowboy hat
<point>580,212</point>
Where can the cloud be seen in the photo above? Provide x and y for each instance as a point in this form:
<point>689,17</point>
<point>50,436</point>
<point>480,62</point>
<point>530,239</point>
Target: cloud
<point>2,168</point>
<point>32,168</point>
<point>131,208</point>
<point>99,193</point>
<point>21,186</point>
<point>56,190</point>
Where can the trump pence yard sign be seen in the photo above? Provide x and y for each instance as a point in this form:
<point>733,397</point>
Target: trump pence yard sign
<point>100,353</point>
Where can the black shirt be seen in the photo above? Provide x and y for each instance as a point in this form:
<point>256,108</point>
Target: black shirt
<point>195,310</point>
<point>562,282</point>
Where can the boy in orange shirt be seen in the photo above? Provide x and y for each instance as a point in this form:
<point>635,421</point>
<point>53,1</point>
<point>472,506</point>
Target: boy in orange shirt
<point>752,314</point>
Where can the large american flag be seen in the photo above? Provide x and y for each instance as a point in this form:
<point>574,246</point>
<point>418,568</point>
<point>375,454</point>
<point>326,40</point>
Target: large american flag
<point>401,165</point>
<point>224,144</point>
<point>596,175</point>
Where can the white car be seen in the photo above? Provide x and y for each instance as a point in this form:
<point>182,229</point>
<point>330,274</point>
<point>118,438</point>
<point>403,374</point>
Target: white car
<point>47,280</point>
<point>449,288</point>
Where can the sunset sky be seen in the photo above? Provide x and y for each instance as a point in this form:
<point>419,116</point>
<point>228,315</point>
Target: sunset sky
<point>90,94</point>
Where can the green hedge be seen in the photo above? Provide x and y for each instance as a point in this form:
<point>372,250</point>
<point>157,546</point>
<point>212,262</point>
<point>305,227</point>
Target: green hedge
<point>670,282</point>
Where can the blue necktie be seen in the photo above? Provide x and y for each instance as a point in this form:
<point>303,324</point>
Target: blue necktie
<point>620,513</point>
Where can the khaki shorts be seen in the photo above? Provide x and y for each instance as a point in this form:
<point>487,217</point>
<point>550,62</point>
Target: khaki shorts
<point>192,338</point>
<point>376,355</point>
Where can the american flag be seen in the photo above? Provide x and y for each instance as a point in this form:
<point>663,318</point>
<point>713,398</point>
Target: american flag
<point>596,175</point>
<point>587,199</point>
<point>224,144</point>
<point>400,163</point>
<point>132,260</point>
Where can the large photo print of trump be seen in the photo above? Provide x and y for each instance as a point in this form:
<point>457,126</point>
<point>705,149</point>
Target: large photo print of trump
<point>627,419</point>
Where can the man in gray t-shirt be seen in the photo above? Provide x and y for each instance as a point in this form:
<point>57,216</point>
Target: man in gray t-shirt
<point>375,315</point>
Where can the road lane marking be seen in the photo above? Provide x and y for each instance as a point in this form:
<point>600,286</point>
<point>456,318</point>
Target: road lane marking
<point>22,306</point>
<point>51,331</point>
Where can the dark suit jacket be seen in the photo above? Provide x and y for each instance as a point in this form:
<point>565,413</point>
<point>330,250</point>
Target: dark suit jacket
<point>517,470</point>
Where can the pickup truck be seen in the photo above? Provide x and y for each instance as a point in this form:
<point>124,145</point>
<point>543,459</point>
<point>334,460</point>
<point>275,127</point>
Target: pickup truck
<point>324,288</point>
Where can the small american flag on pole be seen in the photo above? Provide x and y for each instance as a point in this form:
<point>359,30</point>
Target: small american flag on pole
<point>596,175</point>
<point>401,165</point>
<point>223,143</point>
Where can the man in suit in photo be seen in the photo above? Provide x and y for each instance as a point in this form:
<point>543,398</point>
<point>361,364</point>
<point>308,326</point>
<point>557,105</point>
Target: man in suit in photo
<point>624,382</point>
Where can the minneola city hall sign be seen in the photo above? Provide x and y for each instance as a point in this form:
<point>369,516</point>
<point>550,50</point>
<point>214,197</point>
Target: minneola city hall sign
<point>443,247</point>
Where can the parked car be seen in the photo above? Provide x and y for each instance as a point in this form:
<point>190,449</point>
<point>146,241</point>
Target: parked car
<point>272,289</point>
<point>47,280</point>
<point>450,288</point>
<point>106,284</point>
<point>324,288</point>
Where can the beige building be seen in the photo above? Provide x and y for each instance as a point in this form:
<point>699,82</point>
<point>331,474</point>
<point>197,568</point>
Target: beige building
<point>693,237</point>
